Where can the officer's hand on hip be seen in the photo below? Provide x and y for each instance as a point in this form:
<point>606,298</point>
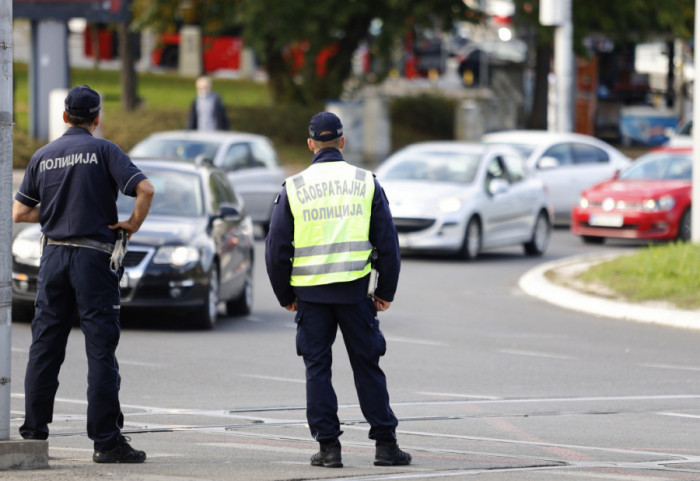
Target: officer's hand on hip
<point>292,307</point>
<point>381,304</point>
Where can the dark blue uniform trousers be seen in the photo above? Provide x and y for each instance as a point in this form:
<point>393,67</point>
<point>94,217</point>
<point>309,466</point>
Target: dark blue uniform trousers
<point>75,280</point>
<point>317,325</point>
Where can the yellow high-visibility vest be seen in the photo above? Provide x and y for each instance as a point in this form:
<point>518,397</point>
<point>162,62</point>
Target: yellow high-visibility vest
<point>332,204</point>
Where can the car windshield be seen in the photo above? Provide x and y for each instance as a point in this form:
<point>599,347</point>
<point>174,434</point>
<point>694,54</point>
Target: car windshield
<point>455,167</point>
<point>662,166</point>
<point>177,194</point>
<point>151,148</point>
<point>525,149</point>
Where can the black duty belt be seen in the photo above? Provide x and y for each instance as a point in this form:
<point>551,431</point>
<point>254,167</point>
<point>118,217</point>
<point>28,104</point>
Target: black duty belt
<point>83,242</point>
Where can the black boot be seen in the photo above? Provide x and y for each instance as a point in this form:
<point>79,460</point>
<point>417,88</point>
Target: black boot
<point>328,456</point>
<point>389,454</point>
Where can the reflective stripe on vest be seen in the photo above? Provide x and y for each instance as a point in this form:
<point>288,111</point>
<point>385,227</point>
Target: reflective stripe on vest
<point>332,204</point>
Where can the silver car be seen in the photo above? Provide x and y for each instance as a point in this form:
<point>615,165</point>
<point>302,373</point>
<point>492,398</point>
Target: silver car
<point>568,163</point>
<point>461,198</point>
<point>249,160</point>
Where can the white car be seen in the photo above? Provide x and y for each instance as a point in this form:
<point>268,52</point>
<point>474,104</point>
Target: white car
<point>568,163</point>
<point>250,162</point>
<point>460,198</point>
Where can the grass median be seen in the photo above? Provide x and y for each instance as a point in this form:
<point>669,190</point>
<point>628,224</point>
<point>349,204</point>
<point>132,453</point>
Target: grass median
<point>664,272</point>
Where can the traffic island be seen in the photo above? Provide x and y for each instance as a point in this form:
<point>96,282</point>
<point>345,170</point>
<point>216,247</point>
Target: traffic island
<point>24,454</point>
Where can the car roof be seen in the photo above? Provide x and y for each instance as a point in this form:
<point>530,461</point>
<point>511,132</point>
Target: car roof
<point>184,165</point>
<point>673,149</point>
<point>454,145</point>
<point>214,135</point>
<point>537,136</point>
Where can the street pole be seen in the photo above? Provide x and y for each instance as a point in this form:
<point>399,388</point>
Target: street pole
<point>695,195</point>
<point>557,13</point>
<point>5,214</point>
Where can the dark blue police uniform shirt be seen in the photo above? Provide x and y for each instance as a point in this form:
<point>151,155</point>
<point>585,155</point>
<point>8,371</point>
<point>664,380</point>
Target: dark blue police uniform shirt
<point>76,179</point>
<point>280,250</point>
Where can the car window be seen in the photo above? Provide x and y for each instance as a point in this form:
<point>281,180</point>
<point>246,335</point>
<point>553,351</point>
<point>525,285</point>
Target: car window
<point>561,152</point>
<point>516,168</point>
<point>237,157</point>
<point>496,170</point>
<point>221,191</point>
<point>263,155</point>
<point>454,167</point>
<point>176,194</point>
<point>660,167</point>
<point>173,149</point>
<point>589,154</point>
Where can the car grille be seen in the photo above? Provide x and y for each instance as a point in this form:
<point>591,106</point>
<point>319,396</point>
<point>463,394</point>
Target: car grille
<point>134,258</point>
<point>619,205</point>
<point>406,225</point>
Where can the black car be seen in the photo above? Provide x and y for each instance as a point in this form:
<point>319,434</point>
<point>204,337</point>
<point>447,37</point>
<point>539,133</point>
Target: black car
<point>194,251</point>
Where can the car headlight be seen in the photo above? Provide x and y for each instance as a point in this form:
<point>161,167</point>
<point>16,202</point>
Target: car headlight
<point>452,204</point>
<point>663,203</point>
<point>27,251</point>
<point>583,202</point>
<point>177,256</point>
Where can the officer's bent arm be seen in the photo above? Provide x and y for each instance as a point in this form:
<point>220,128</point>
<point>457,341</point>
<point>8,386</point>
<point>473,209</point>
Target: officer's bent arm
<point>24,213</point>
<point>144,196</point>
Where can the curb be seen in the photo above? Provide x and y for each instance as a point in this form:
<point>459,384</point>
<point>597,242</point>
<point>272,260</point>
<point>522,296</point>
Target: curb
<point>535,283</point>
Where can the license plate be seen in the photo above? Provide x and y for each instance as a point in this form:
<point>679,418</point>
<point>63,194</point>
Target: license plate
<point>606,220</point>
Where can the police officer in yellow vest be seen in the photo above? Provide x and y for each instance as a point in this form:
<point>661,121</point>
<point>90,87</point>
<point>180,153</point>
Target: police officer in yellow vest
<point>326,224</point>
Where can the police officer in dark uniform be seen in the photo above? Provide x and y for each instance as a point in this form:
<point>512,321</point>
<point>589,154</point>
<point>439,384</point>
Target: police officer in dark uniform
<point>70,188</point>
<point>327,224</point>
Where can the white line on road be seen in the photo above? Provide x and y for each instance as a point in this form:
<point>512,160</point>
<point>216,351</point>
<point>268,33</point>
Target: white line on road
<point>679,415</point>
<point>273,378</point>
<point>519,352</point>
<point>448,394</point>
<point>671,366</point>
<point>409,340</point>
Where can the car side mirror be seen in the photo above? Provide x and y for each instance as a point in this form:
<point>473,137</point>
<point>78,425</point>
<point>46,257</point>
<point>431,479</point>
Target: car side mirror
<point>547,163</point>
<point>203,159</point>
<point>229,213</point>
<point>497,186</point>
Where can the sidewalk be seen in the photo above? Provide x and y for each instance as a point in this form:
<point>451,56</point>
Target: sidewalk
<point>555,282</point>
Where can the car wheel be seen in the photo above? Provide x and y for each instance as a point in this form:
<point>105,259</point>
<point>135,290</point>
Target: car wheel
<point>684,231</point>
<point>587,239</point>
<point>207,314</point>
<point>242,304</point>
<point>471,245</point>
<point>540,236</point>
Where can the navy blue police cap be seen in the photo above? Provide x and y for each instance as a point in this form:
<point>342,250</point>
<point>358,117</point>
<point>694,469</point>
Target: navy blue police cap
<point>325,122</point>
<point>82,101</point>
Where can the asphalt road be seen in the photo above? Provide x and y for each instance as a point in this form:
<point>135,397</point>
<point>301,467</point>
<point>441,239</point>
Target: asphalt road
<point>488,383</point>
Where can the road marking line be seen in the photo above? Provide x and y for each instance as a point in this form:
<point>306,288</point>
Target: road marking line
<point>671,366</point>
<point>408,340</point>
<point>447,394</point>
<point>679,415</point>
<point>519,352</point>
<point>273,378</point>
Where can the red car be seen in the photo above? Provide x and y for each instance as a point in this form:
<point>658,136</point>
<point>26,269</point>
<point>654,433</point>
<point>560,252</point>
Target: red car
<point>648,200</point>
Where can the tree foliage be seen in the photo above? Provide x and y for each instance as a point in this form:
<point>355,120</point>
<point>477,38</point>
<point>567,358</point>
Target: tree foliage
<point>620,20</point>
<point>283,32</point>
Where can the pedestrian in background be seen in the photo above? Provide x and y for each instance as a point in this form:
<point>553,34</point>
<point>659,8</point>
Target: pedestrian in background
<point>70,188</point>
<point>326,223</point>
<point>207,111</point>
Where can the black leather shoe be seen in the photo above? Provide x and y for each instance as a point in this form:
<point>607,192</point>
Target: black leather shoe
<point>390,455</point>
<point>328,456</point>
<point>122,453</point>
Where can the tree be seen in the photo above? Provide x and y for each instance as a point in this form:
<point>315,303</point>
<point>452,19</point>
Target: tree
<point>333,29</point>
